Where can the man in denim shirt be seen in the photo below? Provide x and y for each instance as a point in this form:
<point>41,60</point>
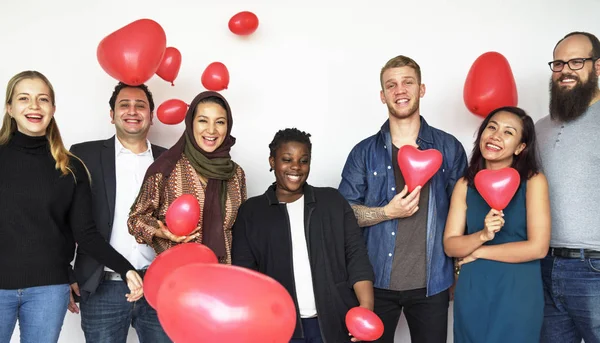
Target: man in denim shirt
<point>403,231</point>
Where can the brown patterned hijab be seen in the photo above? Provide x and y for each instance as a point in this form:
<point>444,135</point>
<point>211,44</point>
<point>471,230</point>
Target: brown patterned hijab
<point>216,166</point>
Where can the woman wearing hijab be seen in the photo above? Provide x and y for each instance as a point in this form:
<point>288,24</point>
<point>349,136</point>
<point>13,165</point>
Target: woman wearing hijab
<point>198,164</point>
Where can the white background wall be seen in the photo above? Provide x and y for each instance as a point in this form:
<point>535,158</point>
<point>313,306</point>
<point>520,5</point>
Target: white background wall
<point>311,64</point>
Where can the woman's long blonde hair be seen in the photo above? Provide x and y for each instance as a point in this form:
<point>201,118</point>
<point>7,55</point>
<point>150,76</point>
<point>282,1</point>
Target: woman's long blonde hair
<point>60,154</point>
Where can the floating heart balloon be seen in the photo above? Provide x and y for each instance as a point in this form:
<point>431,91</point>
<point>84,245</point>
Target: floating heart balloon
<point>171,259</point>
<point>183,215</point>
<point>243,23</point>
<point>223,303</point>
<point>169,67</point>
<point>497,187</point>
<point>418,166</point>
<point>133,53</point>
<point>215,77</point>
<point>364,324</point>
<point>490,84</point>
<point>172,111</point>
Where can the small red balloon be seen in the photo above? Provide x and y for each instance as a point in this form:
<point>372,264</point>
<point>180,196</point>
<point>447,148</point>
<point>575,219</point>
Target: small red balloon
<point>183,215</point>
<point>133,53</point>
<point>223,303</point>
<point>171,259</point>
<point>215,77</point>
<point>497,187</point>
<point>172,111</point>
<point>243,23</point>
<point>169,67</point>
<point>364,324</point>
<point>490,84</point>
<point>418,166</point>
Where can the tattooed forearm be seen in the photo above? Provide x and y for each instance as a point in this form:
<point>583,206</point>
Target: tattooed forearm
<point>368,216</point>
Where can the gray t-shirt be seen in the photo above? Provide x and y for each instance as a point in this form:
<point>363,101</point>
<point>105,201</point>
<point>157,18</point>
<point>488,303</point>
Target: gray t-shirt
<point>570,155</point>
<point>409,267</point>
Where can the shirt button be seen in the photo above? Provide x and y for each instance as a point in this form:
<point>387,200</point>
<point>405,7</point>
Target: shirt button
<point>375,173</point>
<point>389,167</point>
<point>390,254</point>
<point>393,233</point>
<point>393,188</point>
<point>385,147</point>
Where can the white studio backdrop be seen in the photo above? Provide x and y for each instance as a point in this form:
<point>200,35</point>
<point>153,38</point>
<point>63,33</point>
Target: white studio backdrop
<point>313,65</point>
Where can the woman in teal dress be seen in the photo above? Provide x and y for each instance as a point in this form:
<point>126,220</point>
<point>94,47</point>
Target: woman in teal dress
<point>499,295</point>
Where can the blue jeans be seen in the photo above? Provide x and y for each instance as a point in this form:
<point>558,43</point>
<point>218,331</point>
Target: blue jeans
<point>572,300</point>
<point>106,316</point>
<point>40,311</point>
<point>311,330</point>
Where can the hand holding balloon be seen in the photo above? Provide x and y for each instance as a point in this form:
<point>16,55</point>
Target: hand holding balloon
<point>493,222</point>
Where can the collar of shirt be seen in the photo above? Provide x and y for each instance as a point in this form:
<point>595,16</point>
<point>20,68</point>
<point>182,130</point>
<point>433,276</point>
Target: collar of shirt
<point>120,149</point>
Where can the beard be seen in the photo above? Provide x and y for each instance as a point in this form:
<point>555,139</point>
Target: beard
<point>569,104</point>
<point>406,113</point>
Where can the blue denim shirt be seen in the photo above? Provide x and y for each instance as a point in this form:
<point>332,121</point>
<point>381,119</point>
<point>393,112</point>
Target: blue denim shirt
<point>368,179</point>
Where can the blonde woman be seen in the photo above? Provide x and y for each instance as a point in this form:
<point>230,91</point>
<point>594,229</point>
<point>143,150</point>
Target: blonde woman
<point>45,208</point>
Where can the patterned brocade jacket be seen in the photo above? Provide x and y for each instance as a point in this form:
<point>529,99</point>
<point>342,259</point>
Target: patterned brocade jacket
<point>157,193</point>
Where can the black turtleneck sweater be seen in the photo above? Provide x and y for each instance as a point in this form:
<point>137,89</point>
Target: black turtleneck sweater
<point>42,214</point>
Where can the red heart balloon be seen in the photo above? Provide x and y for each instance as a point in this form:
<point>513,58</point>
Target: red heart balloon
<point>172,111</point>
<point>169,260</point>
<point>364,324</point>
<point>215,77</point>
<point>497,187</point>
<point>133,53</point>
<point>243,23</point>
<point>418,166</point>
<point>170,64</point>
<point>223,303</point>
<point>490,84</point>
<point>183,215</point>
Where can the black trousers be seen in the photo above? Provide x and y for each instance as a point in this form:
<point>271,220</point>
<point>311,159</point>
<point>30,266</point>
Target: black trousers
<point>427,317</point>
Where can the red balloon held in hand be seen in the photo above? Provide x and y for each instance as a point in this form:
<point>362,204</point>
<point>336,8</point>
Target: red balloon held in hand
<point>418,166</point>
<point>364,324</point>
<point>490,84</point>
<point>215,77</point>
<point>243,23</point>
<point>172,112</point>
<point>223,303</point>
<point>497,187</point>
<point>171,259</point>
<point>133,53</point>
<point>183,215</point>
<point>170,64</point>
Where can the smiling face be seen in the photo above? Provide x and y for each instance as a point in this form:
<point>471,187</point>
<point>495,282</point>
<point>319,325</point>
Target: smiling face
<point>132,116</point>
<point>291,165</point>
<point>401,92</point>
<point>501,140</point>
<point>210,126</point>
<point>31,106</point>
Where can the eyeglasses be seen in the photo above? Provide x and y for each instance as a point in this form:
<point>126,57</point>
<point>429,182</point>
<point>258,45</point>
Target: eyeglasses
<point>574,63</point>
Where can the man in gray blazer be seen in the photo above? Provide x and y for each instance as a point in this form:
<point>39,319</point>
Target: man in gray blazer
<point>117,167</point>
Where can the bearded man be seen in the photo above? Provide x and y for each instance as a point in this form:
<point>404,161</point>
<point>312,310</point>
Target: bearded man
<point>569,143</point>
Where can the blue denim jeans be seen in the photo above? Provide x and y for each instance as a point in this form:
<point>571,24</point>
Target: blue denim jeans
<point>106,316</point>
<point>572,300</point>
<point>40,311</point>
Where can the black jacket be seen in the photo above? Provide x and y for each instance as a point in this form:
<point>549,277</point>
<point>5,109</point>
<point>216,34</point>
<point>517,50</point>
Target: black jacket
<point>336,249</point>
<point>99,158</point>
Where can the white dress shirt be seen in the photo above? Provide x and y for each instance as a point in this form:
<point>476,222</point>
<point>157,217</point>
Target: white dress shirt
<point>130,169</point>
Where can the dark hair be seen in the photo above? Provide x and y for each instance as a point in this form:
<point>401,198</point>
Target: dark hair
<point>214,100</point>
<point>526,163</point>
<point>289,135</point>
<point>593,39</point>
<point>121,85</point>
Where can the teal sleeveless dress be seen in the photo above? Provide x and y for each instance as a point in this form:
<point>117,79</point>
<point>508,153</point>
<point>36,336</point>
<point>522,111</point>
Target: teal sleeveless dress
<point>497,302</point>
